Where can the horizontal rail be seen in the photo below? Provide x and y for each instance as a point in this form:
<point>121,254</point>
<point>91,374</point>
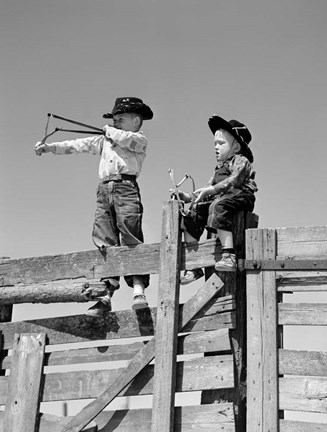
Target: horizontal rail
<point>193,343</point>
<point>120,261</point>
<point>205,373</point>
<point>287,264</point>
<point>187,418</point>
<point>117,325</point>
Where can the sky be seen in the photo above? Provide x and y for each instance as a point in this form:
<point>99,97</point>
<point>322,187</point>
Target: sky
<point>262,63</point>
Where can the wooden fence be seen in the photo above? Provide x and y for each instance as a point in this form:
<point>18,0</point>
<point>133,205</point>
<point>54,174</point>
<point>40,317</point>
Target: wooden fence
<point>278,262</point>
<point>172,350</point>
<point>194,345</point>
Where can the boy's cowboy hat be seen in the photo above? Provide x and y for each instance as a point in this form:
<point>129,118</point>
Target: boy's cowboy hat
<point>130,105</point>
<point>239,131</point>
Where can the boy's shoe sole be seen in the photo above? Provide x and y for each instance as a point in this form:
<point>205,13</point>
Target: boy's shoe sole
<point>99,309</point>
<point>223,268</point>
<point>139,302</point>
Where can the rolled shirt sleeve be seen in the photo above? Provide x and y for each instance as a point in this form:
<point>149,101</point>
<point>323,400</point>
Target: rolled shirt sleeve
<point>133,141</point>
<point>92,144</point>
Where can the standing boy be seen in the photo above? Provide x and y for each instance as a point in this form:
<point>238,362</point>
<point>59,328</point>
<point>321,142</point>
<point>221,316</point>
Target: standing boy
<point>230,189</point>
<point>119,211</point>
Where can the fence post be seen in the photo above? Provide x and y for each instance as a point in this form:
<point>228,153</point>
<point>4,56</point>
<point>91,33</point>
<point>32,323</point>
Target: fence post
<point>262,335</point>
<point>235,284</point>
<point>22,407</point>
<point>167,321</point>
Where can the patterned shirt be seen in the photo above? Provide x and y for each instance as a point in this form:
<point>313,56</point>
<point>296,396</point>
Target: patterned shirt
<point>239,174</point>
<point>122,152</point>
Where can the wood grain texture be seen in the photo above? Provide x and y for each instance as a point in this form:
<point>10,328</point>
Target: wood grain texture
<point>262,389</point>
<point>24,392</point>
<point>167,321</point>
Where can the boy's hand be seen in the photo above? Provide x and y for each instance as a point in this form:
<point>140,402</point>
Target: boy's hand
<point>107,130</point>
<point>203,193</point>
<point>41,148</point>
<point>182,195</point>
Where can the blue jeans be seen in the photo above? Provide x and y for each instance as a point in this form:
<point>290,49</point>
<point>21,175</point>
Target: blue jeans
<point>118,218</point>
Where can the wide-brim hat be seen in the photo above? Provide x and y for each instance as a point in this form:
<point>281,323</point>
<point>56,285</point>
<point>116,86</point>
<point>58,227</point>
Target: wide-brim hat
<point>239,131</point>
<point>130,105</point>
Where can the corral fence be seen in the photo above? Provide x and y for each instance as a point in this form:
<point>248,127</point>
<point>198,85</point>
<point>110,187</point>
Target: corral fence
<point>169,353</point>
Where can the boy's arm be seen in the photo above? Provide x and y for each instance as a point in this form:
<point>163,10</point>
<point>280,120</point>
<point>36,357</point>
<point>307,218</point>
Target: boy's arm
<point>134,141</point>
<point>91,144</point>
<point>241,171</point>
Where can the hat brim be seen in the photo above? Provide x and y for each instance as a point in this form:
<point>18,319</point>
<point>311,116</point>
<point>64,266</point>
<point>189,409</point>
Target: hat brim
<point>145,112</point>
<point>219,123</point>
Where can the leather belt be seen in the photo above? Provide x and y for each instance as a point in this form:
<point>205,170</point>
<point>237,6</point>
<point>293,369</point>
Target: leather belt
<point>118,177</point>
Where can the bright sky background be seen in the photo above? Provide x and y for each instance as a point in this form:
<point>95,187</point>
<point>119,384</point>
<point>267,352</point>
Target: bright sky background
<point>262,63</point>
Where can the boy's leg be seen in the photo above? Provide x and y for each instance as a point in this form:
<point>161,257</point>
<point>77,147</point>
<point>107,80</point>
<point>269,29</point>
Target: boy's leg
<point>220,217</point>
<point>129,214</point>
<point>105,234</point>
<point>193,227</point>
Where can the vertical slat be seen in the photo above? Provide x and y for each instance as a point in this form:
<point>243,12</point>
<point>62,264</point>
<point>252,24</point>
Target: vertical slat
<point>22,408</point>
<point>5,316</point>
<point>167,321</point>
<point>262,388</point>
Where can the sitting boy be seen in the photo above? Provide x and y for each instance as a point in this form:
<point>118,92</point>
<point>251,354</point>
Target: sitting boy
<point>230,189</point>
<point>118,217</point>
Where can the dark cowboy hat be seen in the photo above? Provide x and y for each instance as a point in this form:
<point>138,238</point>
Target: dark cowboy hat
<point>239,131</point>
<point>130,105</point>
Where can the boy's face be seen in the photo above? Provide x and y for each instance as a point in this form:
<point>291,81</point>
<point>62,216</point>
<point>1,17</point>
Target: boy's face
<point>126,122</point>
<point>223,144</point>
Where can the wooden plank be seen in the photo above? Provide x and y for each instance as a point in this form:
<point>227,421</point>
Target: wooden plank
<point>308,242</point>
<point>117,324</point>
<point>262,389</point>
<point>21,412</point>
<point>143,357</point>
<point>297,426</point>
<point>53,423</point>
<point>303,394</point>
<point>76,290</point>
<point>314,314</point>
<point>204,373</point>
<point>167,321</point>
<point>200,342</point>
<point>283,264</point>
<point>293,362</point>
<point>297,281</point>
<point>122,260</point>
<point>215,418</point>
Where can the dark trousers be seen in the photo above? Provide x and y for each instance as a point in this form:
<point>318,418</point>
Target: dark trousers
<point>218,214</point>
<point>118,218</point>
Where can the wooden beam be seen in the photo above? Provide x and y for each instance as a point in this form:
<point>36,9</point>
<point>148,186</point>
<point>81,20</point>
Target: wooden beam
<point>310,363</point>
<point>90,265</point>
<point>298,426</point>
<point>286,264</point>
<point>143,357</point>
<point>201,373</point>
<point>211,418</point>
<point>308,394</point>
<point>167,321</point>
<point>22,407</point>
<point>262,388</point>
<point>80,290</point>
<point>116,325</point>
<point>194,343</point>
